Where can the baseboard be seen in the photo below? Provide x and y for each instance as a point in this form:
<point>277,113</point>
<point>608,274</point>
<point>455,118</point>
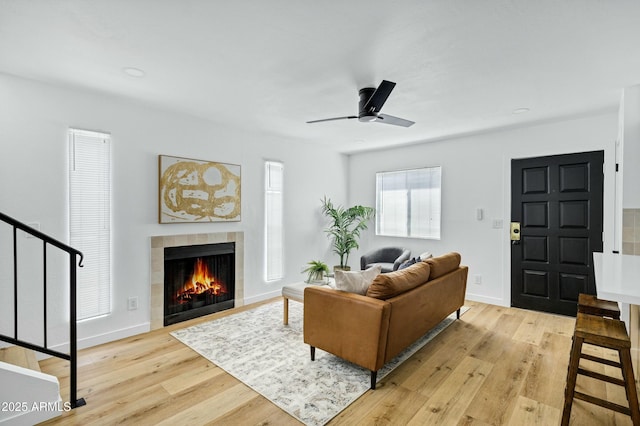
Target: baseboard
<point>262,297</point>
<point>99,339</point>
<point>486,299</point>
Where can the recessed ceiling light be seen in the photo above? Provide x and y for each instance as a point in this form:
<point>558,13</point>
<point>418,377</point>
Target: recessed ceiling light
<point>133,72</point>
<point>520,110</point>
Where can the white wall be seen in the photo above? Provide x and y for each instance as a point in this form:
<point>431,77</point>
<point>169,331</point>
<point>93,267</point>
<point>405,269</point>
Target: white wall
<point>34,119</point>
<point>476,173</point>
<point>631,147</point>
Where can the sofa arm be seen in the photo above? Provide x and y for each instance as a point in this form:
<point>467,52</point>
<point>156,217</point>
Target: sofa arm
<point>349,325</point>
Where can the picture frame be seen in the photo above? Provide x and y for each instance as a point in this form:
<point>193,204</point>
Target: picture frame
<point>198,191</point>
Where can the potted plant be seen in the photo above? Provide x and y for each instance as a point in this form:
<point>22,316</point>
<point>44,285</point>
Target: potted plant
<point>316,270</point>
<point>345,227</point>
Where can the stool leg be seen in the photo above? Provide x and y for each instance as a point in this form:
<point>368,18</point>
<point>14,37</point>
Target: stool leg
<point>630,385</point>
<point>572,374</point>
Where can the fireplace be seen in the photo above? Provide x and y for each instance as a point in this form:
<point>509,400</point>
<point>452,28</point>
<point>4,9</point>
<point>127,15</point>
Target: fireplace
<point>198,280</point>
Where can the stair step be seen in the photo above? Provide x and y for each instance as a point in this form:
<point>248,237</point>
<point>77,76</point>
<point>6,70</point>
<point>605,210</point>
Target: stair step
<point>19,356</point>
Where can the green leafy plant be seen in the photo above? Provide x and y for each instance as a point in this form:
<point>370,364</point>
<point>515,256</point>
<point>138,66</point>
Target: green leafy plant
<point>317,270</point>
<point>347,223</point>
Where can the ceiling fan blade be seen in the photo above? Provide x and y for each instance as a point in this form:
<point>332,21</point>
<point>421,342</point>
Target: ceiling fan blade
<point>379,97</point>
<point>390,119</point>
<point>332,119</point>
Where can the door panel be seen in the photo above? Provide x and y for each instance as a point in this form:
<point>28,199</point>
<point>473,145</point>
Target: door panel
<point>535,214</point>
<point>574,214</point>
<point>536,283</point>
<point>574,251</point>
<point>534,180</point>
<point>558,202</point>
<point>535,249</point>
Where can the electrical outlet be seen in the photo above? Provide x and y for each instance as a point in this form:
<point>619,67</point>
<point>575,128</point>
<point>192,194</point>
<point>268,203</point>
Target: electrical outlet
<point>477,279</point>
<point>132,303</point>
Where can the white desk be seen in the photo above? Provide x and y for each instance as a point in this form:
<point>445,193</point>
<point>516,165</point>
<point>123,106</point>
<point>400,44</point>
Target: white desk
<point>617,277</point>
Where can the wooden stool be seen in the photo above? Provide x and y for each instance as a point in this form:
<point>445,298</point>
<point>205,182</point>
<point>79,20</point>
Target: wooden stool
<point>589,304</point>
<point>606,333</point>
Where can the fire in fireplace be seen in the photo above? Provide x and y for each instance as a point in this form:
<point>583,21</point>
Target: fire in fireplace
<point>198,280</point>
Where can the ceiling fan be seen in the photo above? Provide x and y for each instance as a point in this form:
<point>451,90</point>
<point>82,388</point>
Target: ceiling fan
<point>371,101</point>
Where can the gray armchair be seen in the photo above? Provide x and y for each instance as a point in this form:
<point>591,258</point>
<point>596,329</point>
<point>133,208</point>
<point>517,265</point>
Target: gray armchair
<point>390,258</point>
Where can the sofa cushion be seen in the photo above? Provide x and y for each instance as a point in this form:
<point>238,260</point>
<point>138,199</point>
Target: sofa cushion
<point>356,281</point>
<point>444,264</point>
<point>391,284</point>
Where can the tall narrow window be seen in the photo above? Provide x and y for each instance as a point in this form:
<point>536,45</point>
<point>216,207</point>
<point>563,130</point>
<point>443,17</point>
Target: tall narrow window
<point>273,221</point>
<point>90,218</point>
<point>408,203</point>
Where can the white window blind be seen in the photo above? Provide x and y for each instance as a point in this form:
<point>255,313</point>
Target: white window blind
<point>408,203</point>
<point>273,220</point>
<point>90,218</point>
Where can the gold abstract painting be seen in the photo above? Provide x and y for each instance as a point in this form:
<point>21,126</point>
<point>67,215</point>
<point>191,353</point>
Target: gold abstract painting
<point>198,191</point>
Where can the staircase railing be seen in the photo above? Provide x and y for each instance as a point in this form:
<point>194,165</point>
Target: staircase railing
<point>72,356</point>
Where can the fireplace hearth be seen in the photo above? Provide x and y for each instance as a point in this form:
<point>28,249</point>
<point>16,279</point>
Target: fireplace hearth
<point>198,280</point>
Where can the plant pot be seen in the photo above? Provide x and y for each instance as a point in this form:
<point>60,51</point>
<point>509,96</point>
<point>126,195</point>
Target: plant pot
<point>341,268</point>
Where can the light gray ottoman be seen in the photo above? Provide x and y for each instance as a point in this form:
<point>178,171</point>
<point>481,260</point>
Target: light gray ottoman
<point>294,292</point>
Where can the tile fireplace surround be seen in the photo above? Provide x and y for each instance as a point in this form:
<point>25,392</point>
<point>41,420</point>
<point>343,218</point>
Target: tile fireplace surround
<point>158,245</point>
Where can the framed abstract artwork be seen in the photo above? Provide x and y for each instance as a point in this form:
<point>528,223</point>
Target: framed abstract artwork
<point>198,191</point>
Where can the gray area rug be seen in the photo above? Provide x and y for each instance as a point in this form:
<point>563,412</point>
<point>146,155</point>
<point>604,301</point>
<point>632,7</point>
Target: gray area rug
<point>272,359</point>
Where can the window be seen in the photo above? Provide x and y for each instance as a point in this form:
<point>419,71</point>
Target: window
<point>90,218</point>
<point>408,203</point>
<point>273,221</point>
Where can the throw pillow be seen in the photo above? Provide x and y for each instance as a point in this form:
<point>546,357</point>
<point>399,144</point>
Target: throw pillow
<point>407,263</point>
<point>356,281</point>
<point>386,286</point>
<point>426,255</point>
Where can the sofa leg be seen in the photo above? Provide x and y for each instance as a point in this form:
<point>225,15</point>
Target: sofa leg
<point>458,313</point>
<point>374,374</point>
<point>313,353</point>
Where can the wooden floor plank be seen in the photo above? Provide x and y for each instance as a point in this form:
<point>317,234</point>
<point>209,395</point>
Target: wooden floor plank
<point>531,329</point>
<point>546,379</point>
<point>494,366</point>
<point>194,375</point>
<point>455,393</point>
<point>210,409</point>
<point>486,317</point>
<point>427,377</point>
<point>395,405</point>
<point>529,412</point>
<point>257,411</point>
<point>497,397</point>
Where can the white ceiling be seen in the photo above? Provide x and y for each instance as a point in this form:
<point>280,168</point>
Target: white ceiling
<point>461,66</point>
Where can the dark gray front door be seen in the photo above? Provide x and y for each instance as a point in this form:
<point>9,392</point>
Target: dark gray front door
<point>558,202</point>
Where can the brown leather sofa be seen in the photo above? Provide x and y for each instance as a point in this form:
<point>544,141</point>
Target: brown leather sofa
<point>399,307</point>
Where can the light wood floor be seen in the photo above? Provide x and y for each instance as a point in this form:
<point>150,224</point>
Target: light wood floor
<point>495,366</point>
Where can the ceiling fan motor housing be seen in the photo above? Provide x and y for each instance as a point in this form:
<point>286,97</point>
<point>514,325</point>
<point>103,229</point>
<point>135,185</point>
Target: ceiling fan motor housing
<point>365,95</point>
